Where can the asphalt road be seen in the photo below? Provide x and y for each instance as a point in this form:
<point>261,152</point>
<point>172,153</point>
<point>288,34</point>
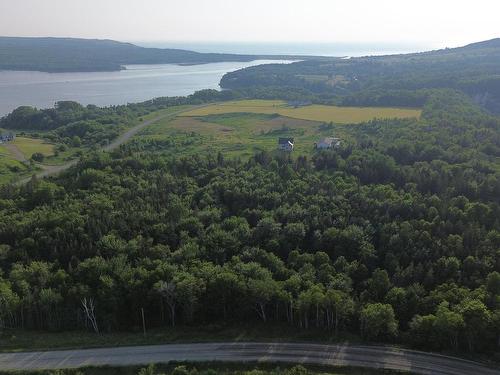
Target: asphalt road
<point>335,355</point>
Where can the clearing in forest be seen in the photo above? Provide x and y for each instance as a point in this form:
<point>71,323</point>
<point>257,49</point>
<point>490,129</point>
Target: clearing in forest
<point>236,134</point>
<point>29,146</point>
<point>323,113</point>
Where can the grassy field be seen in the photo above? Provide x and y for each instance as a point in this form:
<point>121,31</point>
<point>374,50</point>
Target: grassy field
<point>29,146</point>
<point>239,134</point>
<point>12,163</point>
<point>242,128</point>
<point>323,113</point>
<point>10,167</point>
<point>4,152</point>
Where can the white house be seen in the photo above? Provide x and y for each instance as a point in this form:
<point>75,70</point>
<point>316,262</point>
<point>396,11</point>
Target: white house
<point>4,138</point>
<point>285,144</point>
<point>327,143</point>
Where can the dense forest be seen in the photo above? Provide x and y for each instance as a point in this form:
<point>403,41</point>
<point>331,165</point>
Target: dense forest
<point>395,236</point>
<point>399,80</point>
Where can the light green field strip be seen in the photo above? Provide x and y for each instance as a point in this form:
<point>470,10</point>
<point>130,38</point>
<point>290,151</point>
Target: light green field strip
<point>323,113</point>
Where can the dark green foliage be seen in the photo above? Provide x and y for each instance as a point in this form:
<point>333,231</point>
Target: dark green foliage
<point>38,157</point>
<point>71,123</point>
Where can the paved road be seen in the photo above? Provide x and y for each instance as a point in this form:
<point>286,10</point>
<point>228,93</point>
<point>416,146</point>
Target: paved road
<point>50,170</point>
<point>336,355</point>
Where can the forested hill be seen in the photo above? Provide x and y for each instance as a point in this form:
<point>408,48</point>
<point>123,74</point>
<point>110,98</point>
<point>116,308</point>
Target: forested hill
<point>77,55</point>
<point>383,80</point>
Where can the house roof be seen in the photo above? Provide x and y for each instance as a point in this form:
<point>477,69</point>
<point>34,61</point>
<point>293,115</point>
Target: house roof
<point>285,140</point>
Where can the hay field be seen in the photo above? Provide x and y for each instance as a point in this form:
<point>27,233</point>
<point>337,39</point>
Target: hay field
<point>29,146</point>
<point>322,113</point>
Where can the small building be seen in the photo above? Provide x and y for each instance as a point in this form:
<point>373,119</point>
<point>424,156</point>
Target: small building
<point>4,138</point>
<point>327,143</point>
<point>285,144</point>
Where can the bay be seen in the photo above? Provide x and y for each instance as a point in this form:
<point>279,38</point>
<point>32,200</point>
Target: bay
<point>135,84</point>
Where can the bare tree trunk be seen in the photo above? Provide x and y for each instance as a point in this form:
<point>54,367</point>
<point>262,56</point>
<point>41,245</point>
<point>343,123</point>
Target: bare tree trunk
<point>262,312</point>
<point>172,313</point>
<point>89,310</point>
<point>336,322</point>
<point>162,311</point>
<point>470,342</point>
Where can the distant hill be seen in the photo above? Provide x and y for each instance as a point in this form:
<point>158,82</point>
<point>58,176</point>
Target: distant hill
<point>80,55</point>
<point>492,43</point>
<point>382,80</point>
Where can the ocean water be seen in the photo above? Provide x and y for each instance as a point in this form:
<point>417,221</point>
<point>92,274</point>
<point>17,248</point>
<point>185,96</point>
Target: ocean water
<point>294,48</point>
<point>135,84</point>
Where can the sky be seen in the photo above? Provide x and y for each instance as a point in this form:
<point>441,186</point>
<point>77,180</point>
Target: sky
<point>434,23</point>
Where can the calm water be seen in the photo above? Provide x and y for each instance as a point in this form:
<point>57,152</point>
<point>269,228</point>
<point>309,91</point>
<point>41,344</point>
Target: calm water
<point>311,48</point>
<point>137,83</point>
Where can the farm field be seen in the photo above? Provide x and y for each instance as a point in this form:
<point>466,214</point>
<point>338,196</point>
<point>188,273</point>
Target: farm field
<point>237,134</point>
<point>29,146</point>
<point>323,113</point>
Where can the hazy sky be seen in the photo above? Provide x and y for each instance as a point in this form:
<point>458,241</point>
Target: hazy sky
<point>433,22</point>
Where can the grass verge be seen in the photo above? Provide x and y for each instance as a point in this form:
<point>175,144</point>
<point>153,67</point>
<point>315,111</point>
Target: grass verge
<point>34,340</point>
<point>213,368</point>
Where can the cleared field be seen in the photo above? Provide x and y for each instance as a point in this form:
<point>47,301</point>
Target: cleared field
<point>323,113</point>
<point>193,124</point>
<point>29,146</point>
<point>237,134</point>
